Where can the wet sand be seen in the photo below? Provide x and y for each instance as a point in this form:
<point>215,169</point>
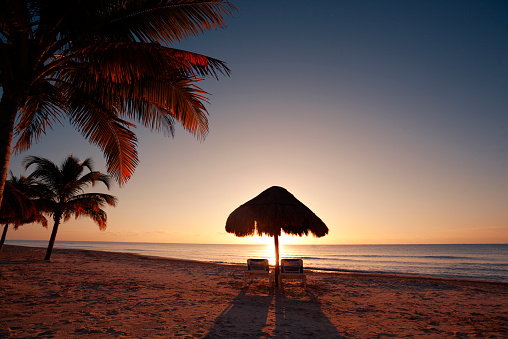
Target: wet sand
<point>116,295</point>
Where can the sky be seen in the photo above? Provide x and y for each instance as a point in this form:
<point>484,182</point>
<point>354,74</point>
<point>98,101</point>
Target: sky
<point>388,119</point>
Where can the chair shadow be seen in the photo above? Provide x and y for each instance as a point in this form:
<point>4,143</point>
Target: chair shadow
<point>267,313</point>
<point>298,314</point>
<point>248,307</point>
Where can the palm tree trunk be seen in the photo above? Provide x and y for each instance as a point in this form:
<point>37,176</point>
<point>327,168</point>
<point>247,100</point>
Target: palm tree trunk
<point>8,111</point>
<point>4,233</point>
<point>276,240</point>
<point>57,218</point>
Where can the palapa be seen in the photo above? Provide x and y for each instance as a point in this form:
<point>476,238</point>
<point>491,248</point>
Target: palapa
<point>271,212</point>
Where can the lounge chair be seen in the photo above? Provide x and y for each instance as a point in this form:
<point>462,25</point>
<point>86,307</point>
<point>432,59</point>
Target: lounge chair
<point>257,268</point>
<point>292,269</point>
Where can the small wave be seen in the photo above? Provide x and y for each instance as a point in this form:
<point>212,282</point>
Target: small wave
<point>459,275</point>
<point>444,257</point>
<point>450,257</point>
<point>306,258</point>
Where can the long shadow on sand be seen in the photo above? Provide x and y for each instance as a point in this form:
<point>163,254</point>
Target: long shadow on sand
<point>264,313</point>
<point>245,316</point>
<point>298,314</point>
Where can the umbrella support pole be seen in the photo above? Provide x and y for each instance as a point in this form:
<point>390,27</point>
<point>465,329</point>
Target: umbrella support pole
<point>276,241</point>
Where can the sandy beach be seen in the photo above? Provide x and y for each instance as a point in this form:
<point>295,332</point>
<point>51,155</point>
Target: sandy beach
<point>102,294</point>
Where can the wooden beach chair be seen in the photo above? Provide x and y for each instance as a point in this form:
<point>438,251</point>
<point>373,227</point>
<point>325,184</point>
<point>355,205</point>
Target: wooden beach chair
<point>257,268</point>
<point>292,269</point>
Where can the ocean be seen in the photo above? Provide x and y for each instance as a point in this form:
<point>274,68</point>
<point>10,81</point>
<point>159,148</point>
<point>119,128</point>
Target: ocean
<point>481,262</point>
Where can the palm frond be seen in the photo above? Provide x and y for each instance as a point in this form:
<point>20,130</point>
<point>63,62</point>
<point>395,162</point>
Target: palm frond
<point>42,109</point>
<point>46,172</point>
<point>93,199</point>
<point>114,138</point>
<point>154,102</point>
<point>148,80</point>
<point>89,205</point>
<point>164,21</point>
<point>98,215</point>
<point>93,177</point>
<point>157,102</point>
<point>98,122</point>
<point>127,61</point>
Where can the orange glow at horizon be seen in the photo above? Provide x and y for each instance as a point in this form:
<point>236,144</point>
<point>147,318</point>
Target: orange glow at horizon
<point>380,148</point>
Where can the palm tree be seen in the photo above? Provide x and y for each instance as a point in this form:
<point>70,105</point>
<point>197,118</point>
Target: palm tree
<point>20,205</point>
<point>103,65</point>
<point>63,194</point>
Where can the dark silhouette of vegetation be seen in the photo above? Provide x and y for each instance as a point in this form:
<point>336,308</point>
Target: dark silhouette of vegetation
<point>62,191</point>
<point>103,65</point>
<point>21,205</point>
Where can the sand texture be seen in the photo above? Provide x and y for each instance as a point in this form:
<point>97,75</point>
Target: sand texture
<point>88,294</point>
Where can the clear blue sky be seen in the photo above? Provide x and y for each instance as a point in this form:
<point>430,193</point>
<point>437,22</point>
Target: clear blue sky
<point>389,119</point>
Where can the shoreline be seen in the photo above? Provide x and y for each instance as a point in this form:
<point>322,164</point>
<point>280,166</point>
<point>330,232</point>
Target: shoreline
<point>307,269</point>
<point>115,294</point>
<point>490,277</point>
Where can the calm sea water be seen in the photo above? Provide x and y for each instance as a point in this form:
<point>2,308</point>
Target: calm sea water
<point>484,262</point>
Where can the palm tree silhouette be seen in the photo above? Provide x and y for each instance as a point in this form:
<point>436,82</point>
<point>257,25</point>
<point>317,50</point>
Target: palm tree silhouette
<point>21,205</point>
<point>62,192</point>
<point>103,64</point>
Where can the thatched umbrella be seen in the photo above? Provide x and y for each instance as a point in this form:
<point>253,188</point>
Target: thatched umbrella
<point>271,212</point>
<point>16,209</point>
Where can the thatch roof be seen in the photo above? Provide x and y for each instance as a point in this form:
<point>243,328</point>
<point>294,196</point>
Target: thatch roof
<point>274,210</point>
<point>16,208</point>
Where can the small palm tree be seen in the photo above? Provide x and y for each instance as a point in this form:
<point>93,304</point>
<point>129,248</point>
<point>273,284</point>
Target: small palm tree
<point>21,206</point>
<point>63,191</point>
